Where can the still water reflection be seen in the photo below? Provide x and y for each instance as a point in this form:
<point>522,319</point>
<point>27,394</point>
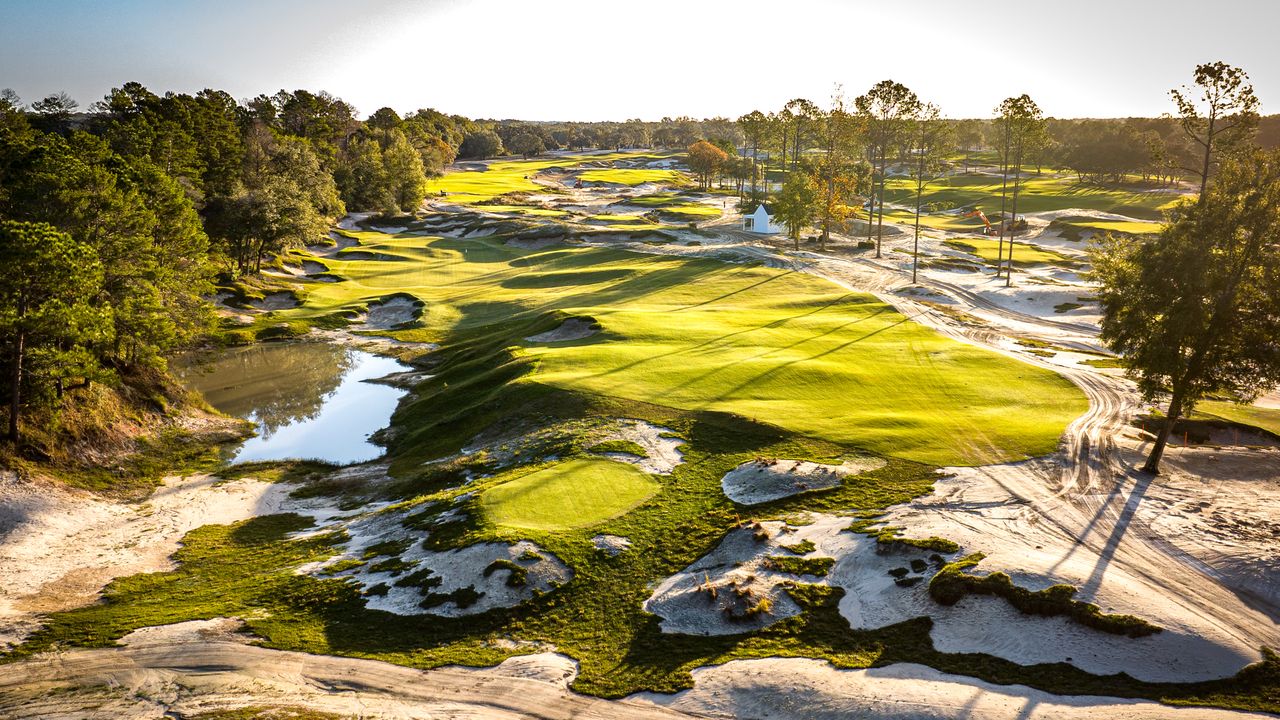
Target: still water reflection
<point>310,400</point>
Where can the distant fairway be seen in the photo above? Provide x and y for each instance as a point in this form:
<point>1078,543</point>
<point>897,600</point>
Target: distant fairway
<point>572,494</point>
<point>777,346</point>
<point>1023,253</point>
<point>507,176</point>
<point>1037,194</point>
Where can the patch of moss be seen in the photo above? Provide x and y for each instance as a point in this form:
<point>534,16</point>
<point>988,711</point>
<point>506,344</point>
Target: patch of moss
<point>462,597</point>
<point>803,547</point>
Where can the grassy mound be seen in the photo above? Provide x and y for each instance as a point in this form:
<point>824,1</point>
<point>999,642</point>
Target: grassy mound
<point>572,494</point>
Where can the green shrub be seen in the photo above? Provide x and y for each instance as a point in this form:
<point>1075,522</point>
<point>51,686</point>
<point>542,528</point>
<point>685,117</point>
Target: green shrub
<point>393,565</point>
<point>803,547</point>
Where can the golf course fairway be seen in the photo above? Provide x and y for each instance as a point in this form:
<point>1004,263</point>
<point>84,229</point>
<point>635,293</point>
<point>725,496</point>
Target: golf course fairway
<point>775,346</point>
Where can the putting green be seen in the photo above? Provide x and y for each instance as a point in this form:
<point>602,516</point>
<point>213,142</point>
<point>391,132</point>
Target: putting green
<point>572,494</point>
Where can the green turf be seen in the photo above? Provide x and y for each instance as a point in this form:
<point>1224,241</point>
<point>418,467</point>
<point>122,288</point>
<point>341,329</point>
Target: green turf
<point>1267,419</point>
<point>691,211</point>
<point>621,219</point>
<point>1023,253</point>
<point>633,176</point>
<point>575,493</point>
<point>779,346</point>
<point>501,177</point>
<point>1037,194</point>
<point>523,210</point>
<point>655,199</point>
<point>1134,227</point>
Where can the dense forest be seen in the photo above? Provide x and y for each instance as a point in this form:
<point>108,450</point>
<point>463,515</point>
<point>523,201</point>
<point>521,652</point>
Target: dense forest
<point>117,221</point>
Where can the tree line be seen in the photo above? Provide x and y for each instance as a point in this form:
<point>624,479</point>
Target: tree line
<point>116,222</point>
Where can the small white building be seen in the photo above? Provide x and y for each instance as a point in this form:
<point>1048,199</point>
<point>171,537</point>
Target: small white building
<point>760,222</point>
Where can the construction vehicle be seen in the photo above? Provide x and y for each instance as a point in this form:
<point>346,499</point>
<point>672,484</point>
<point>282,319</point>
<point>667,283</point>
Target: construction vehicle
<point>976,212</point>
<point>1016,226</point>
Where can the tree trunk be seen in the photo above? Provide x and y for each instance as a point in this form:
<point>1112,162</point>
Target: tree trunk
<point>1017,185</point>
<point>755,170</point>
<point>1208,156</point>
<point>1162,439</point>
<point>915,250</point>
<point>1004,186</point>
<point>880,216</point>
<point>871,200</point>
<point>15,384</point>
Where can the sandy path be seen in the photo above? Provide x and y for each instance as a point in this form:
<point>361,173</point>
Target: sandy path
<point>1080,519</point>
<point>804,689</point>
<point>191,675</point>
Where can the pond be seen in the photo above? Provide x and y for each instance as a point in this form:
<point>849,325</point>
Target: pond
<point>311,401</point>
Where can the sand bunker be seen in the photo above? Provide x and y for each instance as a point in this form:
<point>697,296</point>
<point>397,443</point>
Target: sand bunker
<point>883,584</point>
<point>275,301</point>
<point>761,480</point>
<point>352,220</point>
<point>191,631</point>
<point>571,329</point>
<point>391,313</point>
<point>661,446</point>
<point>611,544</point>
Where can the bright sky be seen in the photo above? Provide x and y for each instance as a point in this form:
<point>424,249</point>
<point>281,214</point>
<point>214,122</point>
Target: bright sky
<point>613,60</point>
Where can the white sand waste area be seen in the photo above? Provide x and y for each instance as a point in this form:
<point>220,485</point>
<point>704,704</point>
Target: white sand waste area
<point>805,689</point>
<point>1003,512</point>
<point>59,547</point>
<point>193,669</point>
